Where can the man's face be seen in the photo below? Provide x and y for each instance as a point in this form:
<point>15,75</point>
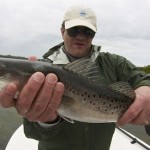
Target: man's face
<point>78,40</point>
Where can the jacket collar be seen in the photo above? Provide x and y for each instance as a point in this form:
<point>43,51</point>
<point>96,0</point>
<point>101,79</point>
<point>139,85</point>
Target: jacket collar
<point>59,57</point>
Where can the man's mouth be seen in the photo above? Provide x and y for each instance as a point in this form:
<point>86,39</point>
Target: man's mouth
<point>79,44</point>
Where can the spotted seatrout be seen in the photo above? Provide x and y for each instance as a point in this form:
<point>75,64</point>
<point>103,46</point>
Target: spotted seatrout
<point>86,97</point>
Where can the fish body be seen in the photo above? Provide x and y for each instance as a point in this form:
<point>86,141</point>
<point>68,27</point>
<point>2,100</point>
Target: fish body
<point>86,97</point>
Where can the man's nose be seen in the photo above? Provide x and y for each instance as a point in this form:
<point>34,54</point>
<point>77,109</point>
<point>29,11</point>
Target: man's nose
<point>81,35</point>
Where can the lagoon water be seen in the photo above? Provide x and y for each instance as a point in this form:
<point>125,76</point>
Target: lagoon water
<point>10,121</point>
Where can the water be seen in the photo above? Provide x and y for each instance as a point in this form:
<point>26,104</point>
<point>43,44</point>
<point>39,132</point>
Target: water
<point>10,121</point>
<point>138,131</point>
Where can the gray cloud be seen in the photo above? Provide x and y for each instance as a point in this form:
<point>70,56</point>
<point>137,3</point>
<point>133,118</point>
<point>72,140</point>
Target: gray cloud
<point>32,27</point>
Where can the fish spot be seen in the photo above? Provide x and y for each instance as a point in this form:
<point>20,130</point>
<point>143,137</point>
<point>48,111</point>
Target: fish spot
<point>93,103</point>
<point>122,101</point>
<point>100,96</point>
<point>121,112</point>
<point>115,107</point>
<point>104,103</point>
<point>124,106</point>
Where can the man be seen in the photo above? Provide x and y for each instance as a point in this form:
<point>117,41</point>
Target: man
<point>41,96</point>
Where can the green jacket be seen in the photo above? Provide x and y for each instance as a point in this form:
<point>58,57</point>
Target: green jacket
<point>87,136</point>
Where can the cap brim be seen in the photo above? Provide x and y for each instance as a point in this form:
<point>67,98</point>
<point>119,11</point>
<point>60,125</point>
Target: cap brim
<point>79,22</point>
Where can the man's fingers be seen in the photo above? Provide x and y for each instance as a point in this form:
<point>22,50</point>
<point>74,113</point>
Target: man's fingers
<point>50,113</point>
<point>29,92</point>
<point>7,95</point>
<point>134,110</point>
<point>43,97</point>
<point>32,58</point>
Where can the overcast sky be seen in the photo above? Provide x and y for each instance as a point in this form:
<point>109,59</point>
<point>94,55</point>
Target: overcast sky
<point>31,27</point>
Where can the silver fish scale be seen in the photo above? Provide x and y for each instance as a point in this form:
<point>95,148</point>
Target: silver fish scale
<point>90,107</point>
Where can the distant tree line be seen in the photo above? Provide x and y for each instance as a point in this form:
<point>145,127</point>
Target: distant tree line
<point>145,68</point>
<point>11,56</point>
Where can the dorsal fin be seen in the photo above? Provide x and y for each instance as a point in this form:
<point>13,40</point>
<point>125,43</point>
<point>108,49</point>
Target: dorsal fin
<point>123,88</point>
<point>87,69</point>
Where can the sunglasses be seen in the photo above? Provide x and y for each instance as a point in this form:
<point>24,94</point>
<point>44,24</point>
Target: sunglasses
<point>73,32</point>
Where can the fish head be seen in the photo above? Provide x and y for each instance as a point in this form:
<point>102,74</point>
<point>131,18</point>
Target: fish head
<point>10,73</point>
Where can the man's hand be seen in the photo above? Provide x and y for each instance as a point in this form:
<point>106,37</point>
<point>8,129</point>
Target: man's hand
<point>139,112</point>
<point>39,98</point>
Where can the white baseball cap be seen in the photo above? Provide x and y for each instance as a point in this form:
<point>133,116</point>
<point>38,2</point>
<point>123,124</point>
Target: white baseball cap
<point>80,15</point>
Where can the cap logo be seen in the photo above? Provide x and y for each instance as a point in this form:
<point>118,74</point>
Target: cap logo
<point>82,13</point>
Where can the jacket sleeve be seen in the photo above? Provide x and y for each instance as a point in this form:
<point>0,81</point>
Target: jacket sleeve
<point>117,68</point>
<point>35,131</point>
<point>128,71</point>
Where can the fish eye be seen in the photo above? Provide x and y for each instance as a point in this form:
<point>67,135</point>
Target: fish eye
<point>2,70</point>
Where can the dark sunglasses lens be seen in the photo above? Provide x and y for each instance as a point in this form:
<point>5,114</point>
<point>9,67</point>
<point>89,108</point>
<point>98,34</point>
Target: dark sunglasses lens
<point>73,32</point>
<point>89,33</point>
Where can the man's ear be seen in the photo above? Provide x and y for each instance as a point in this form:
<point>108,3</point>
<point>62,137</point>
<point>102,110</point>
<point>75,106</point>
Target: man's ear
<point>62,31</point>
